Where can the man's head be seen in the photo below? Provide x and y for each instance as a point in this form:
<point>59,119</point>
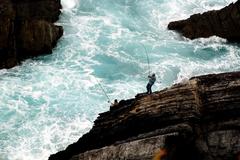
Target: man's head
<point>153,74</point>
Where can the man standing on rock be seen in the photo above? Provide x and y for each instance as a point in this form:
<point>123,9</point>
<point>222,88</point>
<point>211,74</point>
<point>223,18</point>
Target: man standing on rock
<point>152,79</point>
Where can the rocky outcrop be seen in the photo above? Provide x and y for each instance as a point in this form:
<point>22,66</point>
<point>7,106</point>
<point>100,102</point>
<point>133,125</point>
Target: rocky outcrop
<point>196,120</point>
<point>27,29</point>
<point>224,23</point>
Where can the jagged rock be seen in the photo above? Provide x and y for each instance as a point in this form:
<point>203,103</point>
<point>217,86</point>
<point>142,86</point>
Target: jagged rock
<point>27,29</point>
<point>48,10</point>
<point>224,23</point>
<point>7,49</point>
<point>40,31</point>
<point>196,120</point>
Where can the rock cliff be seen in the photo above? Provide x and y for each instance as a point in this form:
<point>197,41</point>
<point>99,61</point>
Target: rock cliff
<point>224,23</point>
<point>27,29</point>
<point>196,120</point>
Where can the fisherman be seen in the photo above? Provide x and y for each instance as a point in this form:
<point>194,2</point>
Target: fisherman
<point>114,104</point>
<point>152,79</point>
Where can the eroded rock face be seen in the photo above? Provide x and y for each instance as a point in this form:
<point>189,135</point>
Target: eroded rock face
<point>27,29</point>
<point>197,120</point>
<point>135,150</point>
<point>7,40</point>
<point>41,39</point>
<point>224,23</point>
<point>48,10</point>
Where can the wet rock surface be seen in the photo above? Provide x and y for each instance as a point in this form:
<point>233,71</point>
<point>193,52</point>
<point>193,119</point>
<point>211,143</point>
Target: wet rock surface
<point>27,29</point>
<point>224,23</point>
<point>195,120</point>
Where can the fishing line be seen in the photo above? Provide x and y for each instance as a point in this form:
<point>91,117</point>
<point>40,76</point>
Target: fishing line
<point>149,70</point>
<point>103,90</point>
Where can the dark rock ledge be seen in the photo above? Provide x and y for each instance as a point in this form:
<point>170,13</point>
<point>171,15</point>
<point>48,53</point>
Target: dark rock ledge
<point>197,120</point>
<point>27,29</point>
<point>224,23</point>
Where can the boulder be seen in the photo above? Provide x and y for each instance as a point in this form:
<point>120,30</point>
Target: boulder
<point>224,23</point>
<point>27,29</point>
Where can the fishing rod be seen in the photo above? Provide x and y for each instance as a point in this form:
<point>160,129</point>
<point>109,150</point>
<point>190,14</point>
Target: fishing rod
<point>149,62</point>
<point>105,93</point>
<point>149,70</point>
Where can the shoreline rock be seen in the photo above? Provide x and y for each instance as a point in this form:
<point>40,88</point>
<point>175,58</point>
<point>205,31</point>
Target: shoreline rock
<point>27,29</point>
<point>224,23</point>
<point>199,120</point>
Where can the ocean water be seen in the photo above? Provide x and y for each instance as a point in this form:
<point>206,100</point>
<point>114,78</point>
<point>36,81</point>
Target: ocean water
<point>48,102</point>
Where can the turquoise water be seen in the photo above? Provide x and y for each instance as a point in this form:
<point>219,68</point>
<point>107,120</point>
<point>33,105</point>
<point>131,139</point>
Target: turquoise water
<point>50,101</point>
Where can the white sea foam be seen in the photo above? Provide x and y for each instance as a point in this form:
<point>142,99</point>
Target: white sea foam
<point>69,4</point>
